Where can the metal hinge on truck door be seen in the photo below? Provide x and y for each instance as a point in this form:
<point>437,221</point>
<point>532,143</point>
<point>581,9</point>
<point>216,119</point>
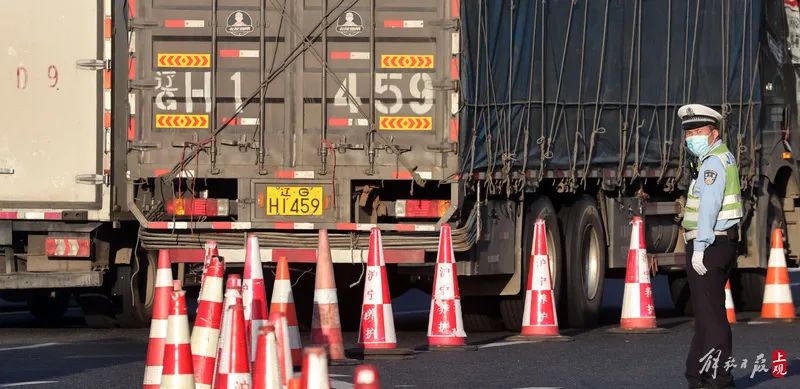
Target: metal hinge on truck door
<point>444,148</point>
<point>92,64</point>
<point>93,179</point>
<point>139,23</point>
<point>446,24</point>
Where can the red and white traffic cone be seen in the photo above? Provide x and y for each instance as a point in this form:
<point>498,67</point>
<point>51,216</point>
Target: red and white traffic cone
<point>233,297</point>
<point>254,293</point>
<point>445,324</point>
<point>539,318</point>
<point>729,308</point>
<point>158,325</point>
<point>210,249</point>
<point>234,360</point>
<point>777,303</point>
<point>366,377</point>
<point>278,320</point>
<point>283,302</point>
<point>376,336</point>
<point>266,369</point>
<point>315,369</point>
<point>638,311</point>
<point>177,373</point>
<point>326,329</point>
<point>205,336</point>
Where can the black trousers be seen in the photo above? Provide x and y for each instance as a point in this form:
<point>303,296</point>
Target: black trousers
<point>711,328</point>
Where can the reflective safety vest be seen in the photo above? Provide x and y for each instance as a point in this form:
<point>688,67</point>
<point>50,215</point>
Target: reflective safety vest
<point>731,202</point>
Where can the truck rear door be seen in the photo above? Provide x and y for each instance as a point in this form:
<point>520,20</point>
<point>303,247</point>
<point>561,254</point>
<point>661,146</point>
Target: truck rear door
<point>51,135</point>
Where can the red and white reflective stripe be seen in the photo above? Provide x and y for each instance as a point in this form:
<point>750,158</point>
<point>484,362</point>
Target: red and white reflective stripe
<point>183,173</point>
<point>347,122</point>
<point>349,54</point>
<point>403,23</point>
<point>406,175</point>
<point>65,247</point>
<point>294,226</point>
<point>306,174</point>
<point>238,53</point>
<point>30,214</point>
<point>240,121</point>
<point>231,225</point>
<point>310,255</point>
<point>184,23</point>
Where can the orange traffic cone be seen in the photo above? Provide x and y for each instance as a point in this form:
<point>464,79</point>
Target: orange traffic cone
<point>777,303</point>
<point>376,337</point>
<point>539,319</point>
<point>366,377</point>
<point>326,329</point>
<point>158,325</point>
<point>315,369</point>
<point>177,372</point>
<point>445,323</point>
<point>266,370</point>
<point>729,308</point>
<point>234,360</point>
<point>638,310</point>
<point>294,383</point>
<point>205,336</point>
<point>283,302</point>
<point>254,295</point>
<point>278,320</point>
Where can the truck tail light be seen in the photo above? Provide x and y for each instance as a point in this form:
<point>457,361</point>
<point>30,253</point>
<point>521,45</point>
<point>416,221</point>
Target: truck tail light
<point>421,208</point>
<point>198,207</point>
<point>67,247</point>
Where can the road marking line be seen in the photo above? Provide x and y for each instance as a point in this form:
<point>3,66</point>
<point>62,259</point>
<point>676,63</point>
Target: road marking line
<point>501,344</point>
<point>27,383</point>
<point>30,346</point>
<point>341,385</point>
<point>338,375</point>
<point>417,312</point>
<point>101,356</point>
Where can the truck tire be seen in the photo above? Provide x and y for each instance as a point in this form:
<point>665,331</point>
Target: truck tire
<point>512,307</point>
<point>480,314</point>
<point>748,292</point>
<point>679,291</point>
<point>586,263</point>
<point>50,307</point>
<point>136,285</point>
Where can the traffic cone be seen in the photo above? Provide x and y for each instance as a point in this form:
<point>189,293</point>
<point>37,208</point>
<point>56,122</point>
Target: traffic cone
<point>254,294</point>
<point>234,360</point>
<point>210,249</point>
<point>278,320</point>
<point>315,369</point>
<point>445,324</point>
<point>539,319</point>
<point>294,383</point>
<point>326,329</point>
<point>366,377</point>
<point>266,369</point>
<point>777,303</point>
<point>233,297</point>
<point>158,325</point>
<point>376,335</point>
<point>638,311</point>
<point>205,336</point>
<point>729,308</point>
<point>283,302</point>
<point>177,372</point>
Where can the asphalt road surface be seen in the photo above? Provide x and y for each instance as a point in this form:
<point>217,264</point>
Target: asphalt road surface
<point>73,356</point>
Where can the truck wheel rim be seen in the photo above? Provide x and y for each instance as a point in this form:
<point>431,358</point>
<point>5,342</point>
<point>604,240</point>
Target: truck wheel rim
<point>591,263</point>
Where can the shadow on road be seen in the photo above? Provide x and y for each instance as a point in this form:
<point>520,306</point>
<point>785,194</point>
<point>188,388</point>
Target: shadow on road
<point>51,362</point>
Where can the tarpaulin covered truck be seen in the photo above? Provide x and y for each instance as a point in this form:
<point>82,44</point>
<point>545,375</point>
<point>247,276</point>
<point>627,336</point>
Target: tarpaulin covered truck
<point>143,125</point>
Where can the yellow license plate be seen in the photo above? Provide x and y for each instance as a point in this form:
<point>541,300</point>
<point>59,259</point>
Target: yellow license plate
<point>294,201</point>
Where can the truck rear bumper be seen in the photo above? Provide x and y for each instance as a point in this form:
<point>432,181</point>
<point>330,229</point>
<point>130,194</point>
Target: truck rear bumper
<point>29,280</point>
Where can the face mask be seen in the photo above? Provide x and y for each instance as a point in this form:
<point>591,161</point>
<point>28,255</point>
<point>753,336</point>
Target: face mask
<point>697,145</point>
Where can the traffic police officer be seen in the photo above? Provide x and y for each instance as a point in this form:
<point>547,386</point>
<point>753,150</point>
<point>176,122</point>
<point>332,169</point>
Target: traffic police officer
<point>713,210</point>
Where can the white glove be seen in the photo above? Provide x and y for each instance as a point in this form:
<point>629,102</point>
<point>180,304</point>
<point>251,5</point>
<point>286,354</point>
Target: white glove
<point>697,262</point>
